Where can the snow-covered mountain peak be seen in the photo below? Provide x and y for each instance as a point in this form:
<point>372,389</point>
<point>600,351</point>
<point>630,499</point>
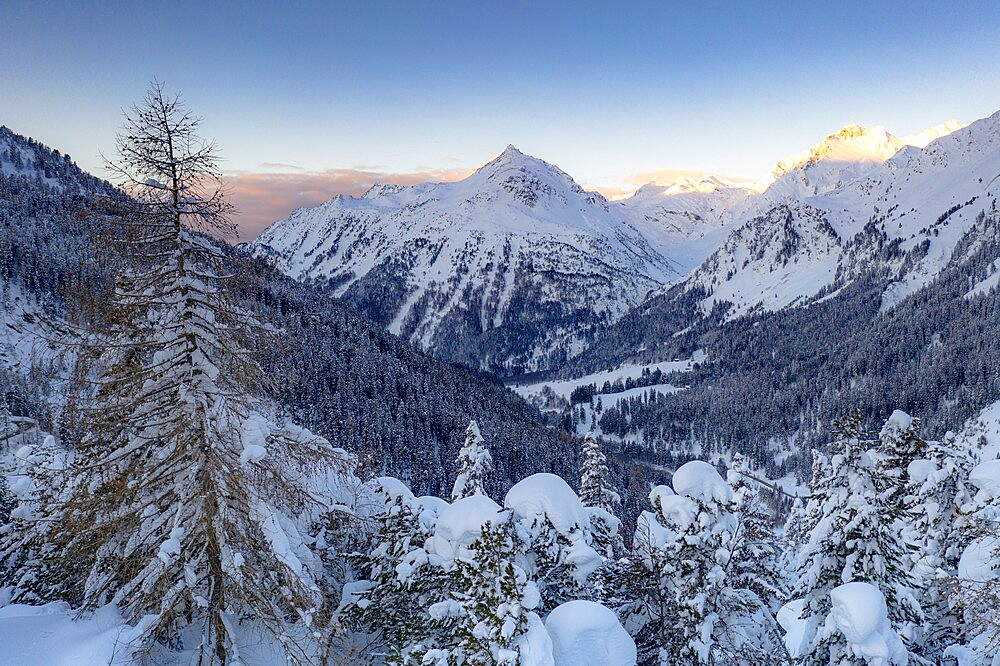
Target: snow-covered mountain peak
<point>921,139</point>
<point>859,148</point>
<point>382,189</point>
<point>511,152</point>
<point>469,268</point>
<point>853,143</point>
<point>688,185</point>
<point>527,179</point>
<point>852,153</point>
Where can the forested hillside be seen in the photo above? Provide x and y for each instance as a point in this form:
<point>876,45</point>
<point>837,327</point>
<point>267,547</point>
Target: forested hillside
<point>400,410</point>
<point>772,382</point>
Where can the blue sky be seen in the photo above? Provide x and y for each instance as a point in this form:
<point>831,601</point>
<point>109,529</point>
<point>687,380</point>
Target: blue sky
<point>604,90</point>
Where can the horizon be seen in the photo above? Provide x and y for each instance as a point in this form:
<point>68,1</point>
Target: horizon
<point>328,100</point>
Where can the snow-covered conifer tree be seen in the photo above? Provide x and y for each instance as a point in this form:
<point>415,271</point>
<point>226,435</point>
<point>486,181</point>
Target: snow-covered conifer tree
<point>937,493</point>
<point>850,540</point>
<point>496,624</point>
<point>555,530</point>
<point>683,593</point>
<point>900,444</point>
<point>397,584</point>
<point>597,493</point>
<point>474,465</point>
<point>975,583</point>
<point>757,562</point>
<point>177,504</point>
<point>640,588</point>
<point>596,489</point>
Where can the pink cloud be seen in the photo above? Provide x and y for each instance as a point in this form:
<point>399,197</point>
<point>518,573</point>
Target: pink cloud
<point>261,197</point>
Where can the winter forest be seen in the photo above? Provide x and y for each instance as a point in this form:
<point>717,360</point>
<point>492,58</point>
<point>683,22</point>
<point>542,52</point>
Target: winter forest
<point>502,420</point>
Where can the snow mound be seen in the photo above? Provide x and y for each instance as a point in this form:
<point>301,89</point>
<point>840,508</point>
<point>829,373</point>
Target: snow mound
<point>677,509</point>
<point>859,612</point>
<point>534,647</point>
<point>585,633</point>
<point>49,636</point>
<point>699,480</point>
<point>461,523</point>
<point>986,477</point>
<point>649,532</point>
<point>899,420</point>
<point>980,560</point>
<point>790,618</point>
<point>919,470</point>
<point>547,495</point>
<point>428,508</point>
<point>254,434</point>
<point>392,488</point>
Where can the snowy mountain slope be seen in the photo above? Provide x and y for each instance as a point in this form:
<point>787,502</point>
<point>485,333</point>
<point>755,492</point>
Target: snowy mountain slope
<point>510,269</point>
<point>836,214</point>
<point>688,219</point>
<point>878,293</point>
<point>691,218</point>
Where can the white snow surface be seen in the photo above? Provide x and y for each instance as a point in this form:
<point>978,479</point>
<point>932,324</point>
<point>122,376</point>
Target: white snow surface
<point>535,645</point>
<point>700,480</point>
<point>677,509</point>
<point>549,496</point>
<point>790,618</point>
<point>899,420</point>
<point>986,477</point>
<point>460,523</point>
<point>253,434</point>
<point>980,561</point>
<point>585,633</point>
<point>920,469</point>
<point>859,613</point>
<point>49,636</point>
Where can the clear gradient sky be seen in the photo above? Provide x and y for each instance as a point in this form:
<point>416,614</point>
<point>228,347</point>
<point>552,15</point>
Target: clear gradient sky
<point>310,99</point>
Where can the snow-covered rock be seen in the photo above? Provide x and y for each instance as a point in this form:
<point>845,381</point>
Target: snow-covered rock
<point>585,633</point>
<point>859,613</point>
